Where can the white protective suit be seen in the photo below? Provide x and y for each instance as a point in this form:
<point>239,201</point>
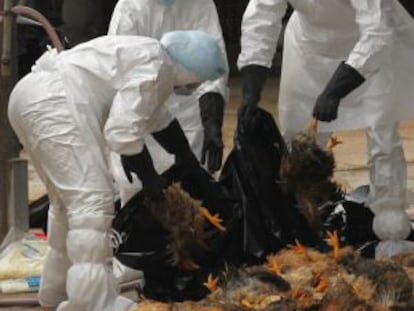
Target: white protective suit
<point>105,91</point>
<point>152,18</point>
<point>375,37</point>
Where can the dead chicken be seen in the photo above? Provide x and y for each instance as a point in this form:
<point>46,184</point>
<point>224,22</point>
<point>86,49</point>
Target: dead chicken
<point>393,288</point>
<point>293,279</point>
<point>340,297</point>
<point>308,172</point>
<point>303,279</point>
<point>362,292</point>
<point>341,280</point>
<point>247,288</point>
<point>188,223</point>
<point>305,268</point>
<point>406,260</point>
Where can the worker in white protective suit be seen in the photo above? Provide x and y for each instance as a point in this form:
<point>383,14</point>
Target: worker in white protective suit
<point>201,114</point>
<point>110,91</point>
<point>349,63</point>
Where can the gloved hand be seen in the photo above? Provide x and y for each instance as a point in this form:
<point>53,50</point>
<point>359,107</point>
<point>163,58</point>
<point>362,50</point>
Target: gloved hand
<point>212,111</point>
<point>141,164</point>
<point>343,81</point>
<point>173,140</point>
<point>253,80</point>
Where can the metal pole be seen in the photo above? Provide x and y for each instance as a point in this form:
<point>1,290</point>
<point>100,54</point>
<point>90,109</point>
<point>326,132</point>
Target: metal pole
<point>9,146</point>
<point>7,38</point>
<point>18,212</point>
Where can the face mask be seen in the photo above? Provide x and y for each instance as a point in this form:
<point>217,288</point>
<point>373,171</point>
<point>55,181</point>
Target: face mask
<point>167,2</point>
<point>186,90</point>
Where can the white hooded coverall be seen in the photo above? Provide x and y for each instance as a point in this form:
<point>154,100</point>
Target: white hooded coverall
<point>108,91</point>
<point>375,37</point>
<point>152,18</point>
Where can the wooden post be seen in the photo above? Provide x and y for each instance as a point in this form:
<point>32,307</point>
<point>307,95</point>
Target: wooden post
<point>9,146</point>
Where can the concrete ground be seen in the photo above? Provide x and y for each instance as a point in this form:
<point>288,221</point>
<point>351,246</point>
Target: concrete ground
<point>350,156</point>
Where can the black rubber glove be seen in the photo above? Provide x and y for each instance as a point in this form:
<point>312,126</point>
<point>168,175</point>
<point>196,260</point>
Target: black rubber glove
<point>253,80</point>
<point>343,81</point>
<point>141,164</point>
<point>173,140</point>
<point>212,111</point>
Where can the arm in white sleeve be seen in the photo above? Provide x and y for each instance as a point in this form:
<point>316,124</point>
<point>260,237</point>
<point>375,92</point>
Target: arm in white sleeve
<point>261,26</point>
<point>138,109</point>
<point>123,20</point>
<point>376,36</point>
<point>211,24</point>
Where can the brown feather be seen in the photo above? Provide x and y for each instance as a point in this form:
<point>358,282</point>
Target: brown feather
<point>315,281</point>
<point>308,172</point>
<point>179,214</point>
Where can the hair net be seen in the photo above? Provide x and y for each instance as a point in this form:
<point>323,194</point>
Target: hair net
<point>196,51</point>
<point>167,2</point>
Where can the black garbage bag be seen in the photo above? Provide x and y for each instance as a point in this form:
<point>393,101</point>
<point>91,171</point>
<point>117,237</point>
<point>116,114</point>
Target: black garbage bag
<point>353,223</point>
<point>215,197</point>
<point>38,212</point>
<point>251,174</point>
<point>352,220</point>
<point>408,5</point>
<point>144,241</point>
<point>261,217</point>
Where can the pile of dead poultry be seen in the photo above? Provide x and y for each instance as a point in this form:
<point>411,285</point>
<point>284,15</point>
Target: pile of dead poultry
<point>300,279</point>
<point>296,277</point>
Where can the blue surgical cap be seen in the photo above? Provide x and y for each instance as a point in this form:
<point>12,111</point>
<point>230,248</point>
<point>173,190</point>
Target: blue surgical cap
<point>167,2</point>
<point>196,51</point>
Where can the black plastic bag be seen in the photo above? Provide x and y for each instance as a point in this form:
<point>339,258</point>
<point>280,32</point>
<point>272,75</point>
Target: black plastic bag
<point>408,5</point>
<point>353,223</point>
<point>352,219</point>
<point>38,212</point>
<point>251,174</point>
<point>144,241</point>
